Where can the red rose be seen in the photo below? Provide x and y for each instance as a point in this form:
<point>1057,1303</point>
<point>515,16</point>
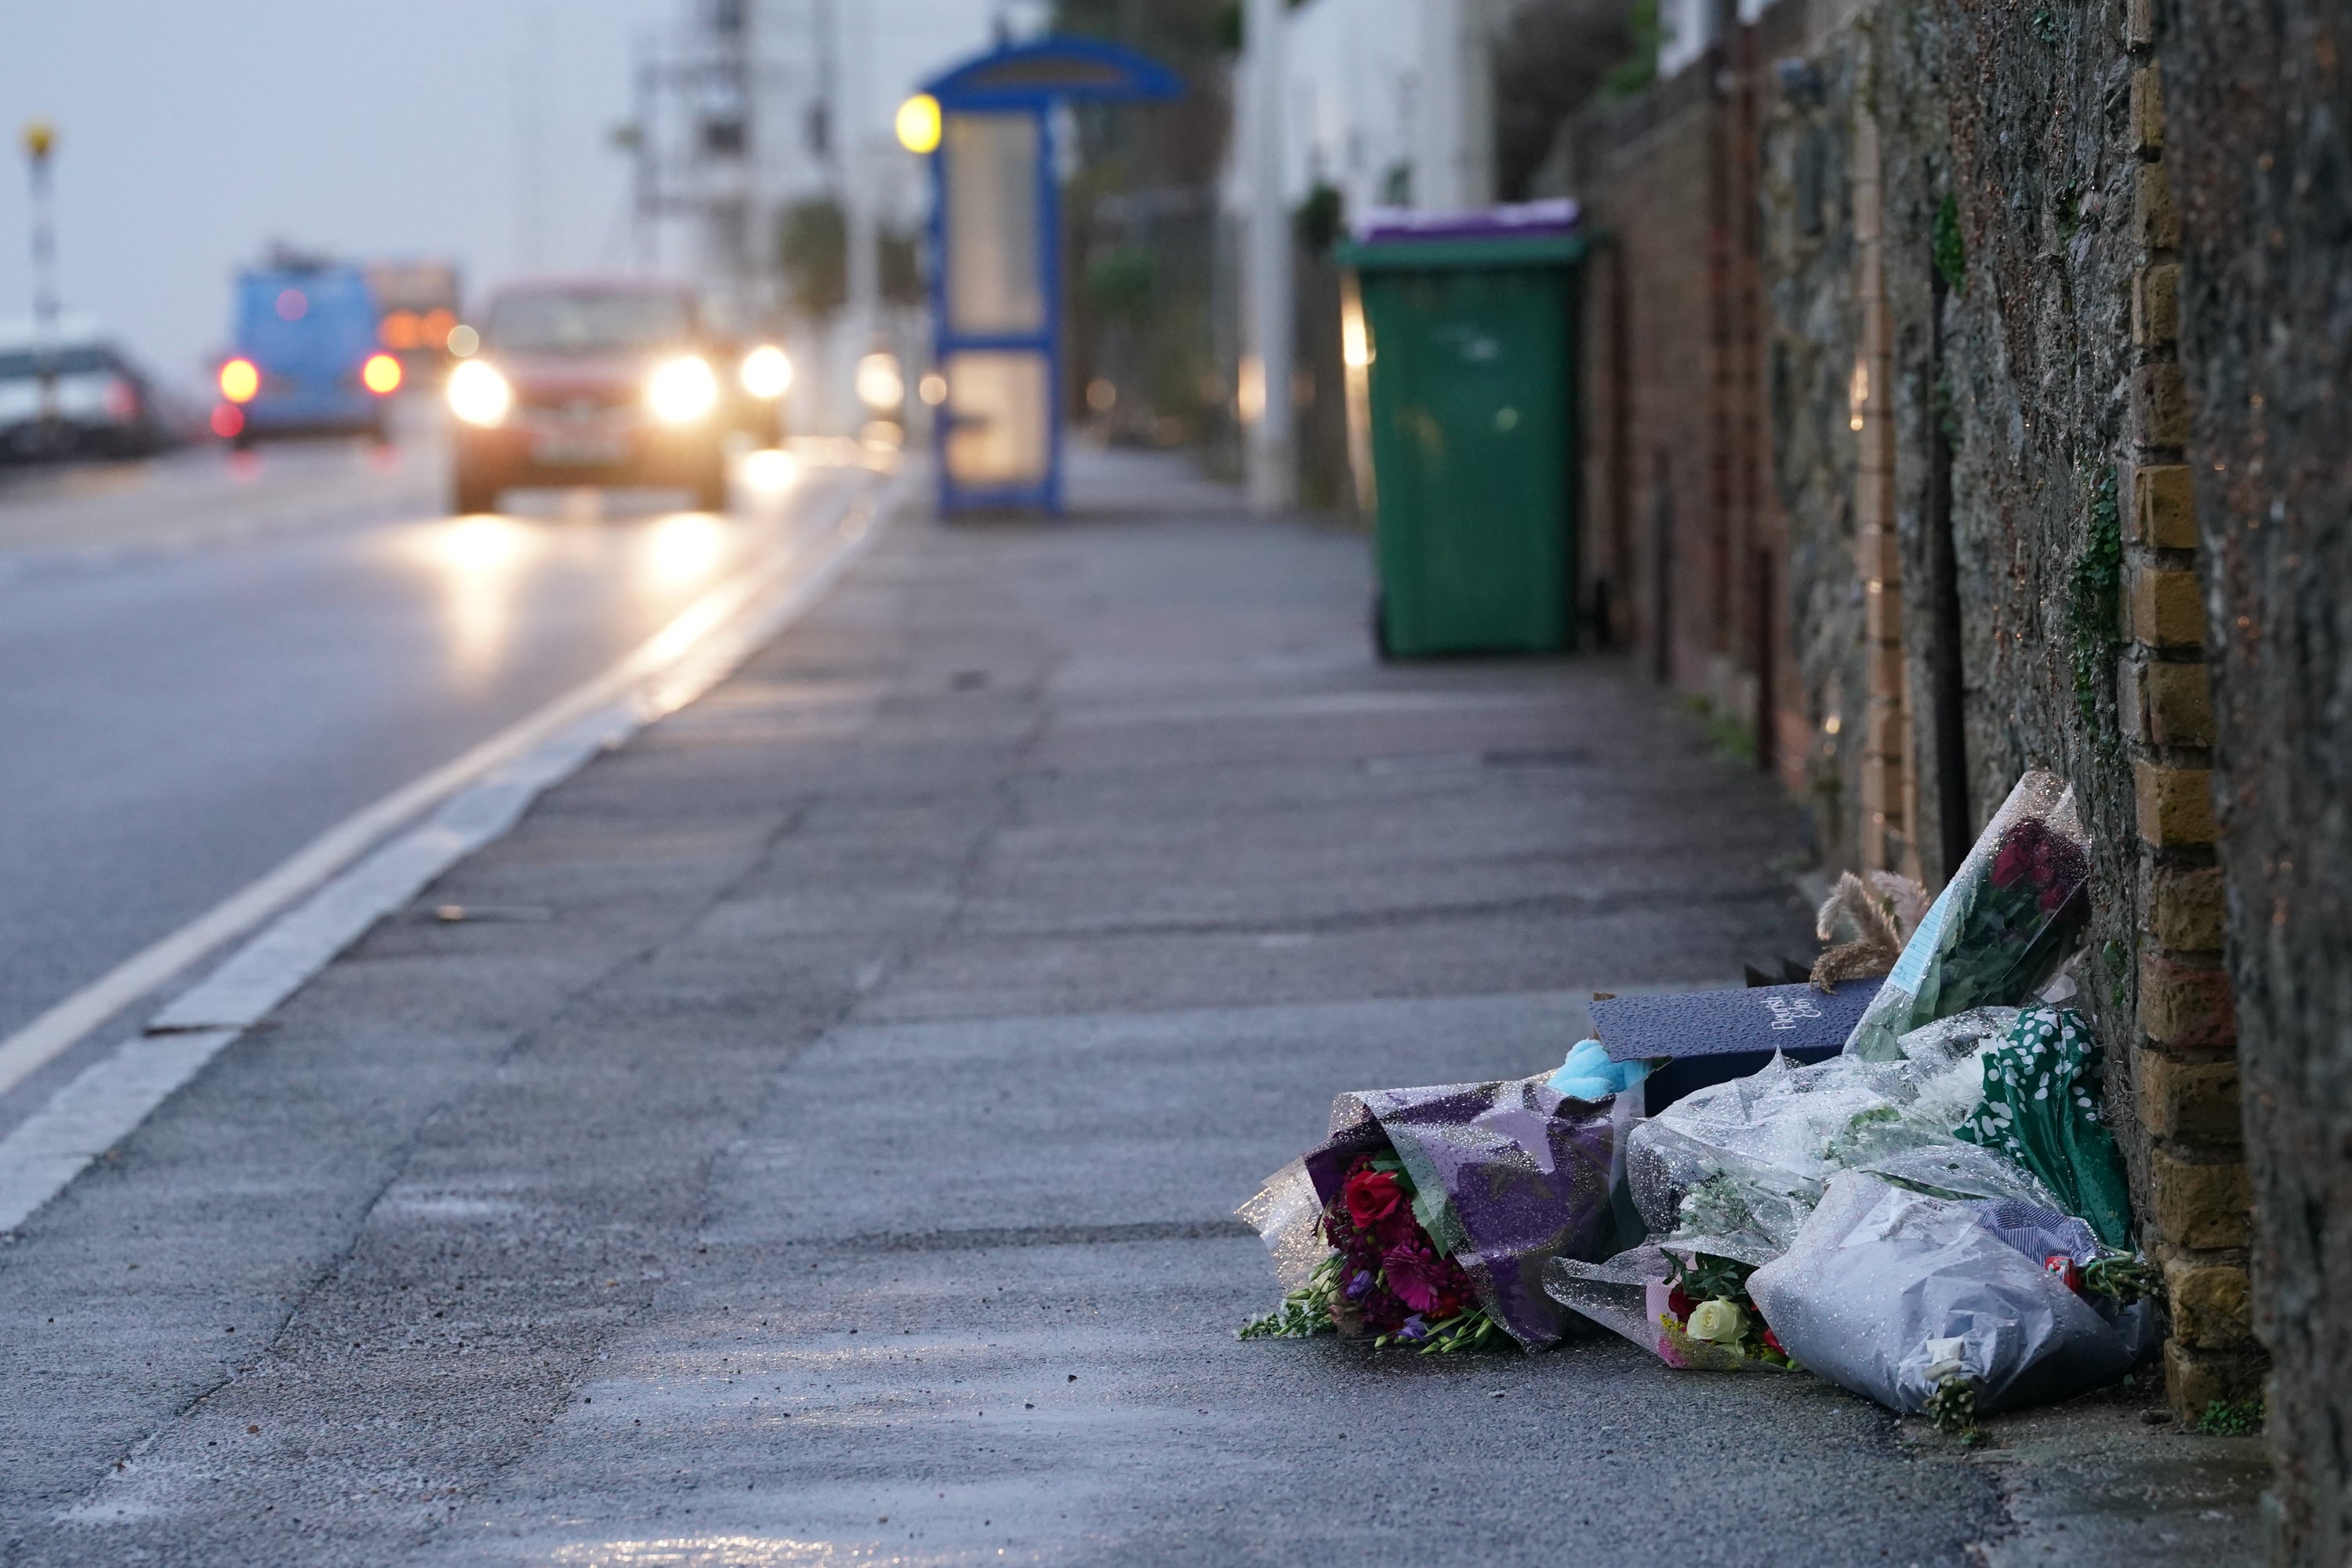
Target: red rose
<point>1679,1302</point>
<point>1773,1340</point>
<point>2011,865</point>
<point>1371,1197</point>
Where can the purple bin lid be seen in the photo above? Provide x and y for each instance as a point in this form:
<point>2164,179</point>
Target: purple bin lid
<point>1518,220</point>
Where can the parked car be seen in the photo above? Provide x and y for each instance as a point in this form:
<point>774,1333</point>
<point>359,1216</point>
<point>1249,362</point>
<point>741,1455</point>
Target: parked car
<point>591,381</point>
<point>305,360</point>
<point>70,392</point>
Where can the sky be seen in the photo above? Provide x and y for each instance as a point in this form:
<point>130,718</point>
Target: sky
<point>190,135</point>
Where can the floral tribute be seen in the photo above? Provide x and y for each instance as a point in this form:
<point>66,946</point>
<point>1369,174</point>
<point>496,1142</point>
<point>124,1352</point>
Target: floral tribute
<point>1387,1277</point>
<point>2011,914</point>
<point>2022,921</point>
<point>1710,1321</point>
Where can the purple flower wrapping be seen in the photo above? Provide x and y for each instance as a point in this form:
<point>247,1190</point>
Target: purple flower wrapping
<point>1526,1174</point>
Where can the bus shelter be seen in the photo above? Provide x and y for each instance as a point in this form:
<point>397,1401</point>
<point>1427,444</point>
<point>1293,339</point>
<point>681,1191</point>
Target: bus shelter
<point>996,245</point>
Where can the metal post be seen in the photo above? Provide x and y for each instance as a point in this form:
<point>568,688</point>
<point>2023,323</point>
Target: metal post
<point>40,140</point>
<point>860,222</point>
<point>1269,311</point>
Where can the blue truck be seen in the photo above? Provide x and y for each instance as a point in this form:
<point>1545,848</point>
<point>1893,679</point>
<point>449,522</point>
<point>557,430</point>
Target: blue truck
<point>305,359</point>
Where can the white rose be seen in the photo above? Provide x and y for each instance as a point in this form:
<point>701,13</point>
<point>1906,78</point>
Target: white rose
<point>1717,1322</point>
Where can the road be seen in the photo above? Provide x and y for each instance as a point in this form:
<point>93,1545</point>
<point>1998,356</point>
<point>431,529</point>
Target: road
<point>206,661</point>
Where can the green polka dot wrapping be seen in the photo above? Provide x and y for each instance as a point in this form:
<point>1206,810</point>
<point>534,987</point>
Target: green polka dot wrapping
<point>2041,1110</point>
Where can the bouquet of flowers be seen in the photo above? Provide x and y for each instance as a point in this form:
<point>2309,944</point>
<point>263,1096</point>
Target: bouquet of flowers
<point>2001,927</point>
<point>1709,1316</point>
<point>1428,1214</point>
<point>1954,1308</point>
<point>1691,1312</point>
<point>1387,1276</point>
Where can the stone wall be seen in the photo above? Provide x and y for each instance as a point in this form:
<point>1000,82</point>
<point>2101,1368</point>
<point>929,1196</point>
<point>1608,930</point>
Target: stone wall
<point>2258,141</point>
<point>2031,260</point>
<point>1970,457</point>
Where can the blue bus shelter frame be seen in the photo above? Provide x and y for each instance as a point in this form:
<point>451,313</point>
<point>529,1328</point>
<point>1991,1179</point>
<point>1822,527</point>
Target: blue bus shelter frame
<point>1024,78</point>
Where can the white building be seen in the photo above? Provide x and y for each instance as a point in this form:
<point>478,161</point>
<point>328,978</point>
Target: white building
<point>1386,101</point>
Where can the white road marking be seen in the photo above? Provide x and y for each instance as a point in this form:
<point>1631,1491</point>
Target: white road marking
<point>480,796</point>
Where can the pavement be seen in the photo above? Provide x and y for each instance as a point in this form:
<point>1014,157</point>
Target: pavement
<point>819,1143</point>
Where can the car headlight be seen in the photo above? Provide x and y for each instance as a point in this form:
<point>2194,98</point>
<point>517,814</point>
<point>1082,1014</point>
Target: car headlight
<point>478,394</point>
<point>766,372</point>
<point>880,385</point>
<point>682,391</point>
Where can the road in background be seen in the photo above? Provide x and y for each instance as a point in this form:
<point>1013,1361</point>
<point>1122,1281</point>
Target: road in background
<point>209,659</point>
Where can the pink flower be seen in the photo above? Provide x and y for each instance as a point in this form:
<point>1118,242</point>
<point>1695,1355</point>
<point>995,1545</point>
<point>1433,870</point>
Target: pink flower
<point>1417,1275</point>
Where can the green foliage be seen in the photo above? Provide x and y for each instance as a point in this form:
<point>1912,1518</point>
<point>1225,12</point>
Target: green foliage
<point>1321,218</point>
<point>2046,25</point>
<point>2123,1277</point>
<point>1305,1312</point>
<point>1715,1207</point>
<point>901,265</point>
<point>1950,250</point>
<point>1120,282</point>
<point>1472,1329</point>
<point>1952,1409</point>
<point>1707,1277</point>
<point>813,249</point>
<point>2224,1419</point>
<point>1640,69</point>
<point>1302,1314</point>
<point>2094,592</point>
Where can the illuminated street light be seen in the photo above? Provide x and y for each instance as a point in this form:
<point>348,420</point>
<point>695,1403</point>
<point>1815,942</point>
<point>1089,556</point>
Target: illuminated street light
<point>918,124</point>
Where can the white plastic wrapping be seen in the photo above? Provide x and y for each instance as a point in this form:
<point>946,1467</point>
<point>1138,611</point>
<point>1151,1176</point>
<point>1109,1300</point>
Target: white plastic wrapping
<point>1734,1169</point>
<point>1890,1293</point>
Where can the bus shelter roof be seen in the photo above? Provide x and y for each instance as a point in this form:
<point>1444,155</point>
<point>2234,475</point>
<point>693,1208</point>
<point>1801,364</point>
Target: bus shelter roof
<point>1055,69</point>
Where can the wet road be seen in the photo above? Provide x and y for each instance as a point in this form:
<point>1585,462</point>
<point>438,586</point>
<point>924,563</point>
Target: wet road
<point>206,662</point>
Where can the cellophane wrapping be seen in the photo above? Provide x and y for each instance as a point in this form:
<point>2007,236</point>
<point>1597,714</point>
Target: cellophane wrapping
<point>1523,1174</point>
<point>2001,927</point>
<point>1630,1295</point>
<point>1890,1293</point>
<point>2041,1111</point>
<point>1735,1169</point>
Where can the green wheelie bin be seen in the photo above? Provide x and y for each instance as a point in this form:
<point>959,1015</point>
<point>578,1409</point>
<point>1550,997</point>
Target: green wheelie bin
<point>1471,337</point>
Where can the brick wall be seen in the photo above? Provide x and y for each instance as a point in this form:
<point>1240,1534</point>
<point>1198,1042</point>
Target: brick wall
<point>2186,1071</point>
<point>2256,126</point>
<point>1685,538</point>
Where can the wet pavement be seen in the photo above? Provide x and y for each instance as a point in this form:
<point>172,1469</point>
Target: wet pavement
<point>830,1154</point>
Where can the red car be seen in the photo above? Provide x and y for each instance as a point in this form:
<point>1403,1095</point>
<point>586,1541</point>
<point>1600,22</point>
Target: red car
<point>591,381</point>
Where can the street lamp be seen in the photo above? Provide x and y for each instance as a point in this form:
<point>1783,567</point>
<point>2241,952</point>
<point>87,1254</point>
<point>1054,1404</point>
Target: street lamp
<point>918,124</point>
<point>40,139</point>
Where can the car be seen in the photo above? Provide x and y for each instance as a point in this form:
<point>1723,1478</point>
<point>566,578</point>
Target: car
<point>610,381</point>
<point>68,391</point>
<point>305,360</point>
